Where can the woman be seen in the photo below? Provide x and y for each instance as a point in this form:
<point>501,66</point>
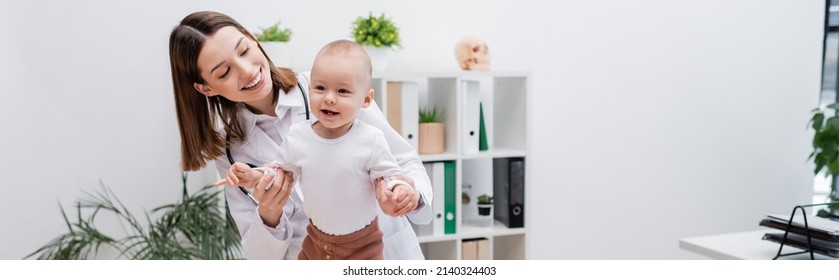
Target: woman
<point>219,70</point>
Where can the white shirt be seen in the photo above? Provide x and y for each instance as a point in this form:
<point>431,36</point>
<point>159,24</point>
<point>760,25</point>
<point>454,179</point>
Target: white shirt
<point>336,175</point>
<point>262,146</point>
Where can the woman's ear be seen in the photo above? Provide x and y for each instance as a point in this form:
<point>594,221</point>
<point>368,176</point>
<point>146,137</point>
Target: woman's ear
<point>204,89</point>
<point>368,98</point>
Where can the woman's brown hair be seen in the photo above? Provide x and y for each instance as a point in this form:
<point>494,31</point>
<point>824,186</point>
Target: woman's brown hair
<point>197,114</point>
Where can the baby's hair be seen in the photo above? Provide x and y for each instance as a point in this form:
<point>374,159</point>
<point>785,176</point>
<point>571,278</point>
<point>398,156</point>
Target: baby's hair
<point>348,48</point>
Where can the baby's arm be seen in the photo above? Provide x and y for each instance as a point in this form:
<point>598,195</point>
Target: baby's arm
<point>394,191</point>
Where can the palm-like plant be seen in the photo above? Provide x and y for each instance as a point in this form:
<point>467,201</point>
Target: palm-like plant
<point>192,228</point>
<point>826,149</point>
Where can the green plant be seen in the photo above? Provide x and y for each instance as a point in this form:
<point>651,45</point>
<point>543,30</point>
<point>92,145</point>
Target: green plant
<point>484,199</point>
<point>430,115</point>
<point>274,34</point>
<point>826,148</point>
<point>464,198</point>
<point>193,228</point>
<point>374,31</point>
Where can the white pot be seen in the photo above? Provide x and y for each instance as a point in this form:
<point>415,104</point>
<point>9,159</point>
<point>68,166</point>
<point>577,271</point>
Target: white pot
<point>278,52</point>
<point>378,57</point>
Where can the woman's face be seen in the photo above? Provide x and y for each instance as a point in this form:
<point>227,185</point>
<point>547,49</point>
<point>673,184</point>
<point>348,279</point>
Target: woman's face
<point>233,66</point>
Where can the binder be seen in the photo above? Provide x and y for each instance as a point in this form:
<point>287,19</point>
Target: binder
<point>436,172</point>
<point>470,113</point>
<point>508,186</point>
<point>483,142</point>
<point>487,105</point>
<point>393,106</point>
<point>402,109</point>
<point>451,198</point>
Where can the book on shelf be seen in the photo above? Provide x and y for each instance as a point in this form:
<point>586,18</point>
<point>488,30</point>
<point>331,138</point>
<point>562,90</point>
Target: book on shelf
<point>475,249</point>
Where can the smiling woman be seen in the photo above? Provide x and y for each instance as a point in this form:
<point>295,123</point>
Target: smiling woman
<point>220,71</point>
<point>217,69</point>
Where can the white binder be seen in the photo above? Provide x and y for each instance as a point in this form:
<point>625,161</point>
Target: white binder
<point>437,174</point>
<point>470,98</point>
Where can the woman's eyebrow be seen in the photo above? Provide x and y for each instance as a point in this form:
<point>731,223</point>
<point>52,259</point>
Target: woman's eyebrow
<point>234,48</point>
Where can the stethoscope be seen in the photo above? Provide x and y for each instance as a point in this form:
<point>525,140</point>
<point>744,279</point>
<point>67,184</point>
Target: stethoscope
<point>230,157</point>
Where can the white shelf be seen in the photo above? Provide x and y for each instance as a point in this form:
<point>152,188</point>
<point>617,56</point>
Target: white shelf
<point>497,229</point>
<point>496,153</point>
<point>447,74</point>
<point>468,231</point>
<point>493,153</point>
<point>439,157</point>
<point>504,98</point>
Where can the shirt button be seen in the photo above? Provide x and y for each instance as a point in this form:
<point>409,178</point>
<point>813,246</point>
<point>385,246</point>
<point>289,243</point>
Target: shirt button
<point>325,247</point>
<point>328,257</point>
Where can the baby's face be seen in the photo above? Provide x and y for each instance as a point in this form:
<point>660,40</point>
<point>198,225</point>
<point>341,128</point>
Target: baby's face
<point>339,89</point>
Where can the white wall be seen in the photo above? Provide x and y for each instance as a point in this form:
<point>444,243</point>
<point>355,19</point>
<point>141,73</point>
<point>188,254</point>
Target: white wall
<point>652,120</point>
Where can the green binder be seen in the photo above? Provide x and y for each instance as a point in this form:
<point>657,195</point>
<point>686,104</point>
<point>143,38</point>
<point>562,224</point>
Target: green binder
<point>451,198</point>
<point>483,145</point>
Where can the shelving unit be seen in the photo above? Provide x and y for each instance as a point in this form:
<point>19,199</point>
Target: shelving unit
<point>506,100</point>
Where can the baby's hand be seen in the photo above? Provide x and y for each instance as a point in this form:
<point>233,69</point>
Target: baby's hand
<point>396,198</point>
<point>241,174</point>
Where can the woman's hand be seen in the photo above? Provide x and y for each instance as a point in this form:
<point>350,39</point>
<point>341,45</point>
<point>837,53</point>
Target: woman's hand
<point>271,201</point>
<point>399,201</point>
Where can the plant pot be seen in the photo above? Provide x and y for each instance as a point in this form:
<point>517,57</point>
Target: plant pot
<point>432,138</point>
<point>378,57</point>
<point>278,52</point>
<point>484,209</point>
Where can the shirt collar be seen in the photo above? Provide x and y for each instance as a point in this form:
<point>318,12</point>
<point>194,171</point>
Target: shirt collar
<point>290,100</point>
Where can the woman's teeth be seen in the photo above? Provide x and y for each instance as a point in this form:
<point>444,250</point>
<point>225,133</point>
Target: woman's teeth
<point>255,81</point>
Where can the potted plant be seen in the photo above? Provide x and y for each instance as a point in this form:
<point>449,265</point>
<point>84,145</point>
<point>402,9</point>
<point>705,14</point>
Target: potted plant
<point>274,41</point>
<point>826,150</point>
<point>484,205</point>
<point>193,228</point>
<point>432,131</point>
<point>379,36</point>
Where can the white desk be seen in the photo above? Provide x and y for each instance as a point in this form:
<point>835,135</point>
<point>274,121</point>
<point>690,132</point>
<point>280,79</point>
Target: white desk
<point>742,246</point>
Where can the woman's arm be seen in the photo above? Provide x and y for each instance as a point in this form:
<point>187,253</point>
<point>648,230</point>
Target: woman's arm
<point>258,240</point>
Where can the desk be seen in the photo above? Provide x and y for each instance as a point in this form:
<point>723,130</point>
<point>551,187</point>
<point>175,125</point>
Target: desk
<point>742,246</point>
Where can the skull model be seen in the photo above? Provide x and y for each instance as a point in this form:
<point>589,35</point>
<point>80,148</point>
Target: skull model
<point>472,54</point>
